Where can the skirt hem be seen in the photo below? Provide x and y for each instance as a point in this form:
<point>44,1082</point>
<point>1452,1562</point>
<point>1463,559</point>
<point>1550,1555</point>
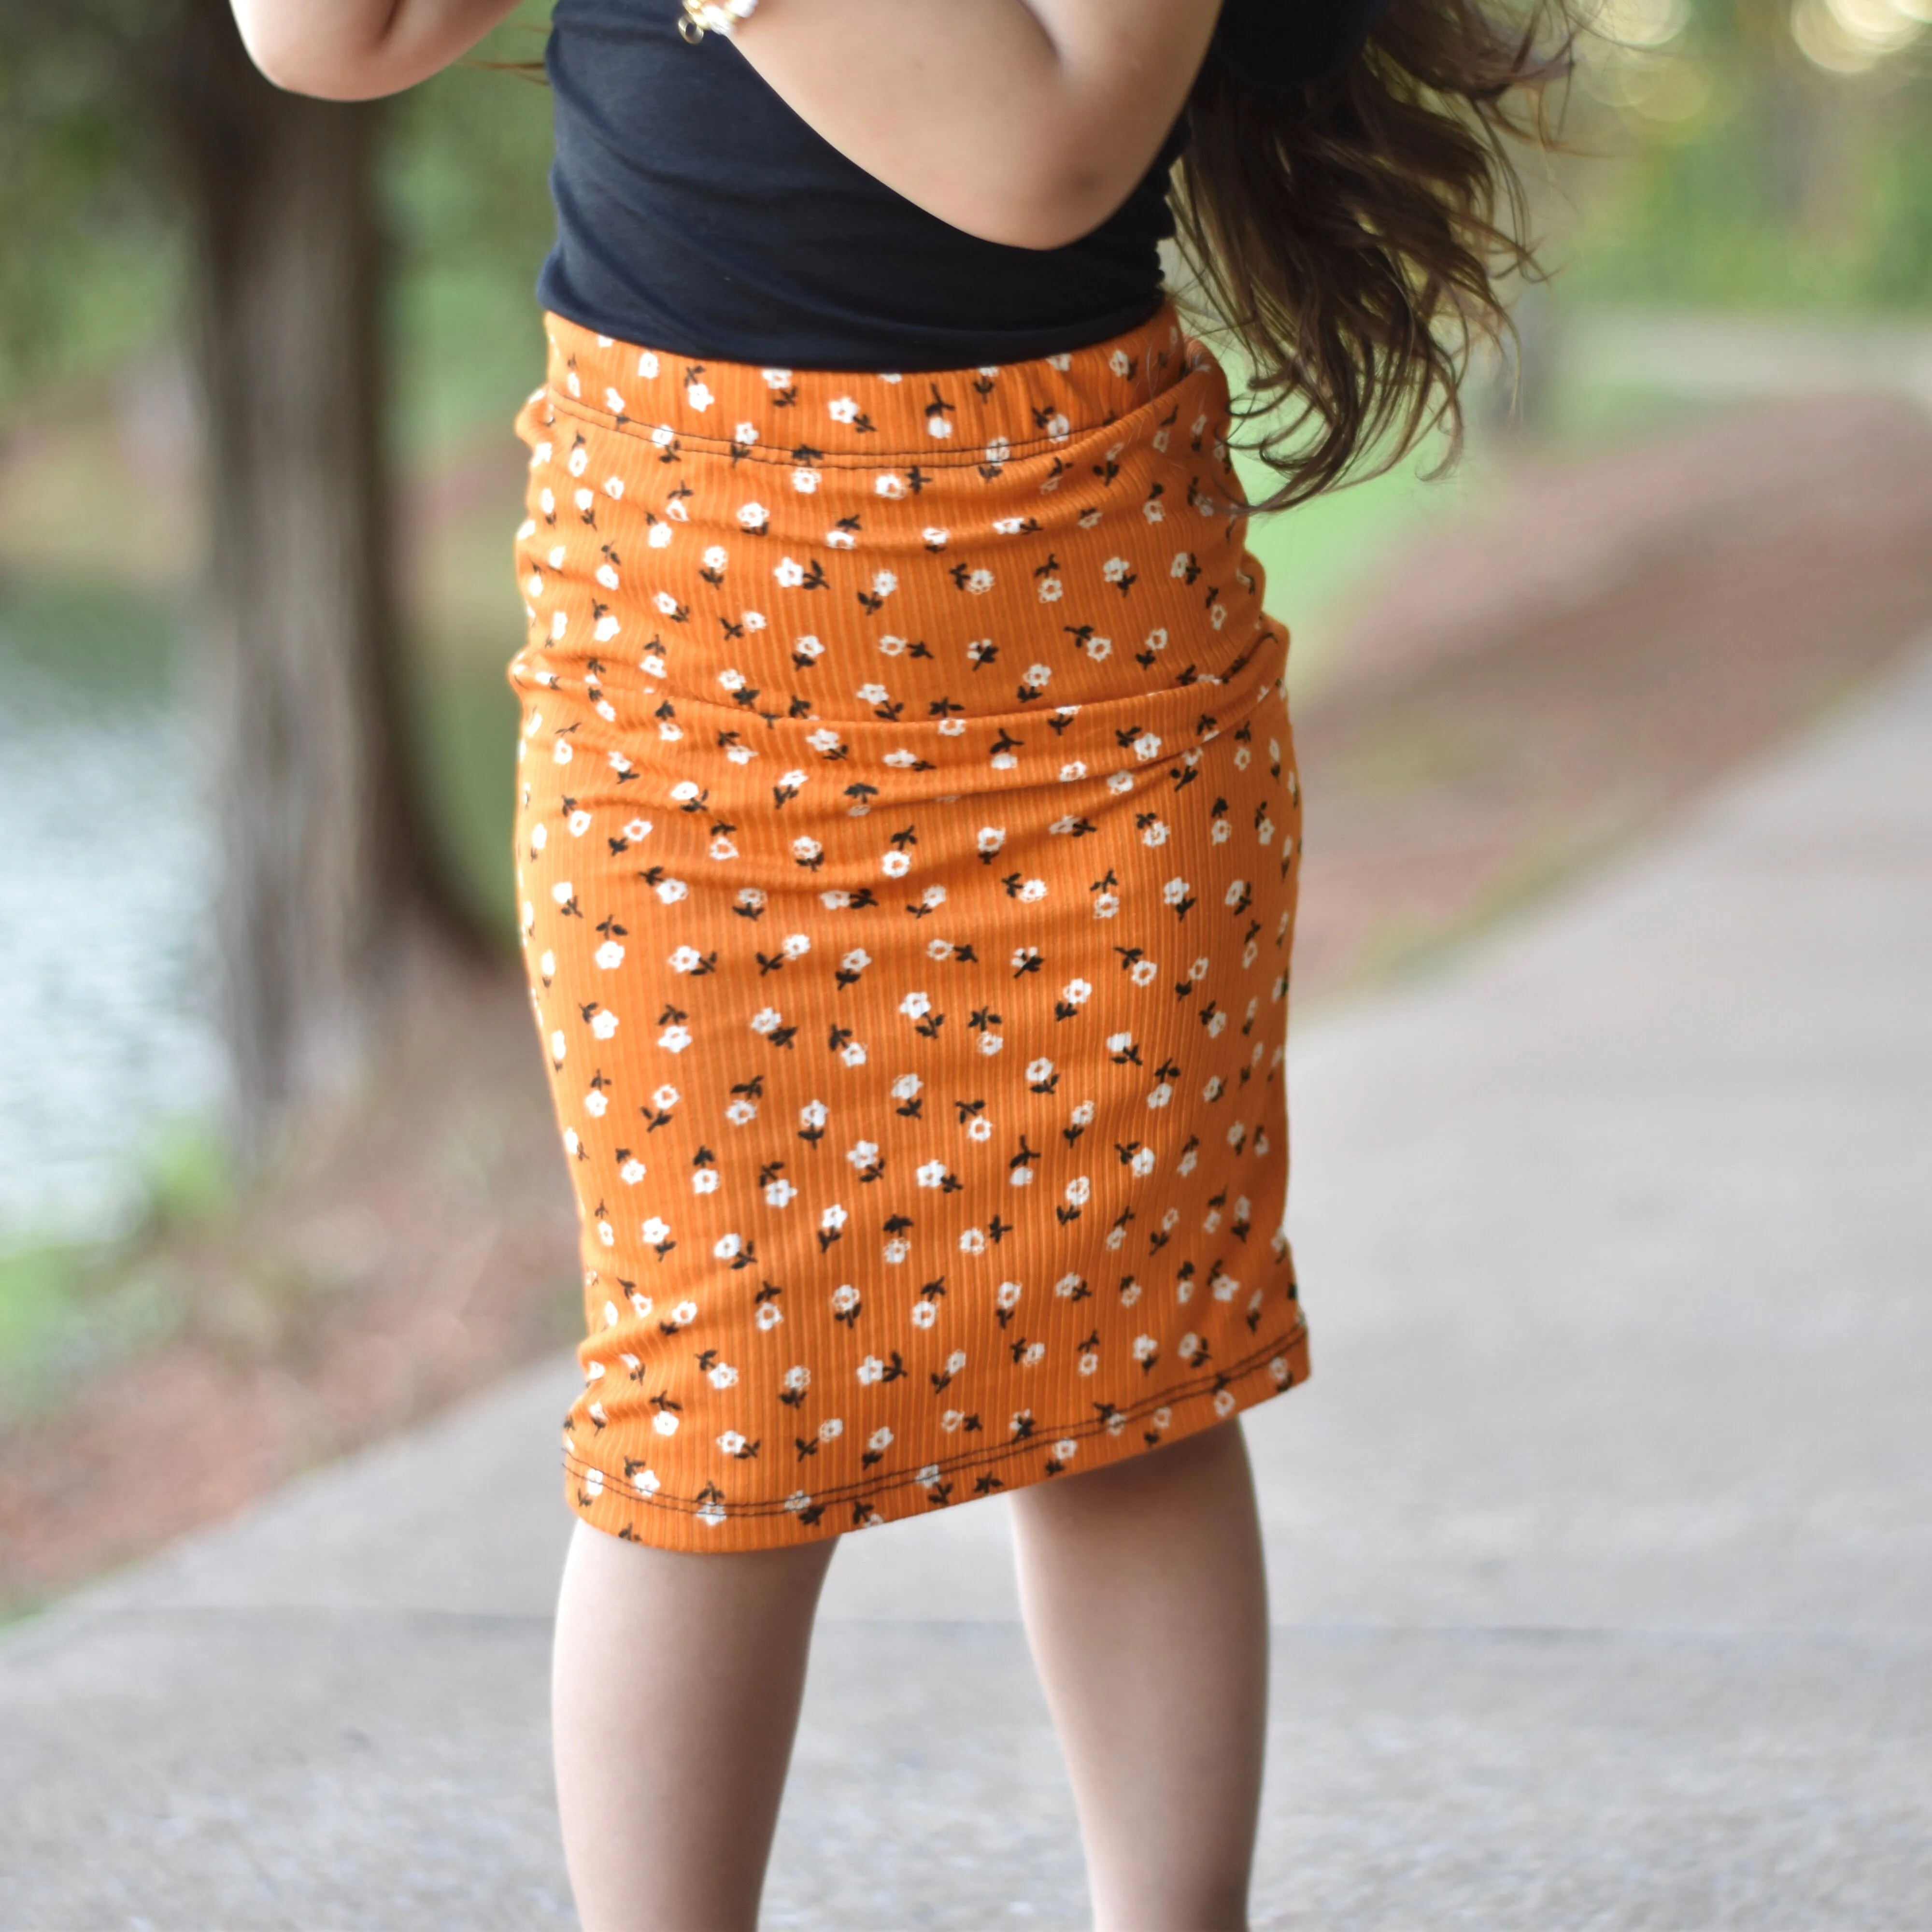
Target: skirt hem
<point>609,1500</point>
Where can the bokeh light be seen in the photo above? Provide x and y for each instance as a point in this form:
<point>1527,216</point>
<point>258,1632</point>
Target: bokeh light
<point>1852,37</point>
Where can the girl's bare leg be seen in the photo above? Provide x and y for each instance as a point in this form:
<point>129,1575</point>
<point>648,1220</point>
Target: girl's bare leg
<point>674,1698</point>
<point>1146,1604</point>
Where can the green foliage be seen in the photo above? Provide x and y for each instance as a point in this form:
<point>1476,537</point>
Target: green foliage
<point>90,249</point>
<point>1750,178</point>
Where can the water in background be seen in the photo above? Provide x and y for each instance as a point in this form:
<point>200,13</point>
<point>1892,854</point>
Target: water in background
<point>105,951</point>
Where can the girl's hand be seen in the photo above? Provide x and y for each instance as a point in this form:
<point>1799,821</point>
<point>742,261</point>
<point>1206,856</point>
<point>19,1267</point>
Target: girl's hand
<point>1025,121</point>
<point>355,49</point>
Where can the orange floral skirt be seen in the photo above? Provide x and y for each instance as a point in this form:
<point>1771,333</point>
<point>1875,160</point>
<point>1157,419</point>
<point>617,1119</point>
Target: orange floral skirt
<point>907,843</point>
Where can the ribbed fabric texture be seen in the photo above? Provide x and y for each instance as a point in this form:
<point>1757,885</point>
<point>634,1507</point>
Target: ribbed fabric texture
<point>907,839</point>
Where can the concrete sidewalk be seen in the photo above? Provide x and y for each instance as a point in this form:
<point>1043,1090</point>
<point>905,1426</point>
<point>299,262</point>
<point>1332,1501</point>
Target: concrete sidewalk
<point>1601,1543</point>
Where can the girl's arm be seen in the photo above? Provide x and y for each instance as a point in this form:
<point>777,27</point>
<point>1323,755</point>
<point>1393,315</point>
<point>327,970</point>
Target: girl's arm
<point>355,49</point>
<point>1025,121</point>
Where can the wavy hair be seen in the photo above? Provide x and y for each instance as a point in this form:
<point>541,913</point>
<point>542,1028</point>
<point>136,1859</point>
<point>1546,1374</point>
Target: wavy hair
<point>1353,235</point>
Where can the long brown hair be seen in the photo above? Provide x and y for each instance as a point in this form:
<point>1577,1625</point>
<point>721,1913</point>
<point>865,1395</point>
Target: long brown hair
<point>1353,235</point>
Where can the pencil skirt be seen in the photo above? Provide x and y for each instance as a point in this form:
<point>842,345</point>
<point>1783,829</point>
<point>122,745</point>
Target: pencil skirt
<point>908,838</point>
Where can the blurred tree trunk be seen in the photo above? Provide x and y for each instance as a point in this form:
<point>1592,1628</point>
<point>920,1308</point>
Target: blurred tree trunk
<point>320,860</point>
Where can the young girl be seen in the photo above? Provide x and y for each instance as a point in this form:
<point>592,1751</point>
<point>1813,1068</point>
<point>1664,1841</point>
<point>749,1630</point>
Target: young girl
<point>908,831</point>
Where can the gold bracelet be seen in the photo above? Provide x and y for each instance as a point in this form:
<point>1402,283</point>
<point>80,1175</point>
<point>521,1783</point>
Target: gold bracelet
<point>701,17</point>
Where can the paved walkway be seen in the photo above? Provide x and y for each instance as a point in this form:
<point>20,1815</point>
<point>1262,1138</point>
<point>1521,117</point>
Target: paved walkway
<point>1601,1543</point>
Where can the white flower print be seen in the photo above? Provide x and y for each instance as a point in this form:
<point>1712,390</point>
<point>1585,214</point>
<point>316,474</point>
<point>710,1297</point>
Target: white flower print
<point>603,1024</point>
<point>1076,992</point>
<point>727,1247</point>
<point>721,1375</point>
<point>753,516</point>
<point>780,1193</point>
<point>844,1299</point>
<point>916,1006</point>
<point>842,409</point>
<point>805,480</point>
<point>675,1039</point>
<point>746,432</point>
<point>1031,892</point>
<point>609,956</point>
<point>932,1173</point>
<point>632,1172</point>
<point>671,891</point>
<point>1143,972</point>
<point>686,959</point>
<point>896,865</point>
<point>704,1181</point>
<point>767,1020</point>
<point>776,378</point>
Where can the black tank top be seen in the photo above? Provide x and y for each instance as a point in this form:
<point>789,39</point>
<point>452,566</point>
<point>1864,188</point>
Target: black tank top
<point>697,212</point>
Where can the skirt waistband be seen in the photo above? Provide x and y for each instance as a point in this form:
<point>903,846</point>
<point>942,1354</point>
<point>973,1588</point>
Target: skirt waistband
<point>971,417</point>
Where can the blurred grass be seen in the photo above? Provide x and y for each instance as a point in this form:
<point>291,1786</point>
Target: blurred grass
<point>72,1309</point>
